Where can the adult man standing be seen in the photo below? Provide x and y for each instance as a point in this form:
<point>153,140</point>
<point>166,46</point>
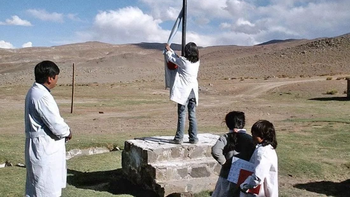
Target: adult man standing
<point>46,134</point>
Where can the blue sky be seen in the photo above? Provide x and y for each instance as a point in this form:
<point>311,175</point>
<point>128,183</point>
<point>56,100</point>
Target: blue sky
<point>44,23</point>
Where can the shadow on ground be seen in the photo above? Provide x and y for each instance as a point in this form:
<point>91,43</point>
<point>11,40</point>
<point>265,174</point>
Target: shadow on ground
<point>328,188</point>
<point>331,99</point>
<point>113,181</point>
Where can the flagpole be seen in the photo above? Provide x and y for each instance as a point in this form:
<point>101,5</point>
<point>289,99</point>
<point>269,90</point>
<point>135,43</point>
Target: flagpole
<point>184,21</point>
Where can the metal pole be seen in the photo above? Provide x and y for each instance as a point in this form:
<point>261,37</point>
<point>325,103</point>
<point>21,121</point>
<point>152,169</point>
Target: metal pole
<point>73,84</point>
<point>184,21</point>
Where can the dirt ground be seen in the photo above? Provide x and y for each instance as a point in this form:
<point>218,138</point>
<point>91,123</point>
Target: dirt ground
<point>254,79</point>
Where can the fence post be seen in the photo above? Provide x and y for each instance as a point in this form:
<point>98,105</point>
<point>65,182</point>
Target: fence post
<point>348,89</point>
<point>73,85</point>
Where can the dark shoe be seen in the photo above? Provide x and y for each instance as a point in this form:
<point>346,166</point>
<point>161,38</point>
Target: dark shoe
<point>177,141</point>
<point>193,141</point>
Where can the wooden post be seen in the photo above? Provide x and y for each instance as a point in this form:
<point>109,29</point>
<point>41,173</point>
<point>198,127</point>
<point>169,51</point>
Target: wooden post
<point>348,89</point>
<point>73,85</point>
<point>184,21</point>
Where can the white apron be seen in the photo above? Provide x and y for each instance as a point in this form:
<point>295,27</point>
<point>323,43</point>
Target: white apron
<point>266,170</point>
<point>185,78</point>
<point>45,151</point>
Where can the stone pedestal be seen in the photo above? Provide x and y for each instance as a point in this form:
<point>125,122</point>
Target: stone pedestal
<point>166,168</point>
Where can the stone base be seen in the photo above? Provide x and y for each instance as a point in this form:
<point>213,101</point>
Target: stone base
<point>166,168</point>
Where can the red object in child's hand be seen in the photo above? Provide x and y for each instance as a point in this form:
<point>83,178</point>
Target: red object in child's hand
<point>243,175</point>
<point>171,66</point>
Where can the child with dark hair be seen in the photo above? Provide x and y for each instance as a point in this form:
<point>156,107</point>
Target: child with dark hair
<point>265,161</point>
<point>184,90</point>
<point>235,143</point>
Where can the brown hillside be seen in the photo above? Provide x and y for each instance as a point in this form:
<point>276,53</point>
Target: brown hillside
<point>120,95</point>
<point>106,63</point>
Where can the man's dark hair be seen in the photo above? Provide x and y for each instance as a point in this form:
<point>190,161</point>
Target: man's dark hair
<point>235,119</point>
<point>191,52</point>
<point>45,69</point>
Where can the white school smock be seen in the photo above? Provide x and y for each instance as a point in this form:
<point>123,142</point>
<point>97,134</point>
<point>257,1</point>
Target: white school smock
<point>45,151</point>
<point>266,170</point>
<point>185,79</point>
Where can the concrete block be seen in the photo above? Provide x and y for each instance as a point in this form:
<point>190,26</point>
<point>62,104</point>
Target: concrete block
<point>158,164</point>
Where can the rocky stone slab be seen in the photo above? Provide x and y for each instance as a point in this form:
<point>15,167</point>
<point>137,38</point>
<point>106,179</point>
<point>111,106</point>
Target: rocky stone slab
<point>157,163</point>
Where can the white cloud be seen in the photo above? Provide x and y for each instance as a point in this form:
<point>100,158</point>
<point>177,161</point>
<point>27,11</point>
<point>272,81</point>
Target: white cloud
<point>200,40</point>
<point>132,25</point>
<point>318,19</point>
<point>225,25</point>
<point>200,12</point>
<point>45,16</point>
<point>246,27</point>
<point>5,45</point>
<point>126,25</point>
<point>239,8</point>
<point>74,17</point>
<point>222,22</point>
<point>256,23</point>
<point>163,10</point>
<point>15,20</point>
<point>219,22</point>
<point>27,44</point>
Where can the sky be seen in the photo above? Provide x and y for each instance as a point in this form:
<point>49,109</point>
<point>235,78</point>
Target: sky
<point>46,23</point>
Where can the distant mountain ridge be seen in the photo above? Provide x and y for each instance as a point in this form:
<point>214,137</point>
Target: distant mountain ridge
<point>158,46</point>
<point>276,41</point>
<point>102,62</point>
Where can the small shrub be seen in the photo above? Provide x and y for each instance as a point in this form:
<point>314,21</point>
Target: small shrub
<point>332,92</point>
<point>329,78</point>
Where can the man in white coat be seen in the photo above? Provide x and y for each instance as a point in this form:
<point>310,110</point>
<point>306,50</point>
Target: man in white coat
<point>46,134</point>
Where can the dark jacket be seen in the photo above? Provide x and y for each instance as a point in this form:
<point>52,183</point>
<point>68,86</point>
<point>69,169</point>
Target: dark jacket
<point>232,144</point>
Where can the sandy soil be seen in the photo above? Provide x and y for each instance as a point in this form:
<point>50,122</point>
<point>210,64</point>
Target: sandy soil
<point>230,78</point>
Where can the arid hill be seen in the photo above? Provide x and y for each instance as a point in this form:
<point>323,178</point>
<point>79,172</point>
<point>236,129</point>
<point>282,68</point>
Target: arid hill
<point>106,63</point>
<point>120,95</point>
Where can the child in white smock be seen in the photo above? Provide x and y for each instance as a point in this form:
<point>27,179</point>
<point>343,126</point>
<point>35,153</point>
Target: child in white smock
<point>264,158</point>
